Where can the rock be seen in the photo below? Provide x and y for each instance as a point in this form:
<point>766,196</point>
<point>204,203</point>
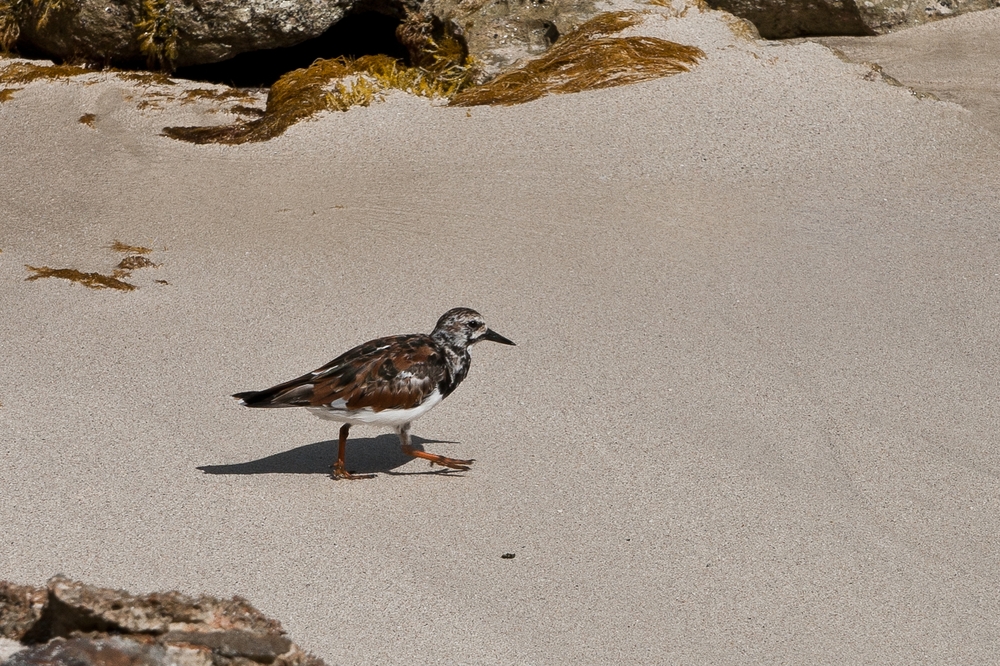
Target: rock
<point>8,648</point>
<point>21,608</point>
<point>501,32</point>
<point>70,623</point>
<point>262,648</point>
<point>168,34</point>
<point>171,33</point>
<point>112,651</point>
<point>781,19</point>
<point>76,607</point>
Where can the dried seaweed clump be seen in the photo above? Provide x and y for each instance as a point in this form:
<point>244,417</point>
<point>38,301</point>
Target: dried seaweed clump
<point>386,73</point>
<point>158,34</point>
<point>116,279</point>
<point>125,248</point>
<point>295,96</point>
<point>216,95</point>
<point>26,72</point>
<point>92,280</point>
<point>329,85</point>
<point>441,68</point>
<point>437,47</point>
<point>587,59</point>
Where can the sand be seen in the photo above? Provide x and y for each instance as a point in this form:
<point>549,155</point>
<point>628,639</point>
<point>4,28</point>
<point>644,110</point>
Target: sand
<point>955,60</point>
<point>751,418</point>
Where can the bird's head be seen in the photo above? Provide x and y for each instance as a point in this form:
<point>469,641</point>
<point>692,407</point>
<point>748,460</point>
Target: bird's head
<point>461,327</point>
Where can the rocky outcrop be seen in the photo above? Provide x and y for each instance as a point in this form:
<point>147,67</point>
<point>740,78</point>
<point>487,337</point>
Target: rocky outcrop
<point>501,32</point>
<point>780,19</point>
<point>169,34</point>
<point>68,622</point>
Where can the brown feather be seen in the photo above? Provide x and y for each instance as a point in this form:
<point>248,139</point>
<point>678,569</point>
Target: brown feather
<point>397,372</point>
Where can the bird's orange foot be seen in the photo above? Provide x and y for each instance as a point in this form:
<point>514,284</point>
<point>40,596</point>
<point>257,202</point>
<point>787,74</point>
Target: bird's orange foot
<point>338,472</point>
<point>451,463</point>
<point>438,460</point>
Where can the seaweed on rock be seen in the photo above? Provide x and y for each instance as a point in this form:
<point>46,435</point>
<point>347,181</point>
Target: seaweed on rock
<point>16,13</point>
<point>328,85</point>
<point>587,59</point>
<point>12,15</point>
<point>158,34</point>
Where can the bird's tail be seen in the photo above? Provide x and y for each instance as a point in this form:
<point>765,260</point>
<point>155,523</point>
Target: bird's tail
<point>247,398</point>
<point>271,397</point>
<point>294,393</point>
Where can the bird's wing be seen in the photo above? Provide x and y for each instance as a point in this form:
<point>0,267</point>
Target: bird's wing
<point>388,373</point>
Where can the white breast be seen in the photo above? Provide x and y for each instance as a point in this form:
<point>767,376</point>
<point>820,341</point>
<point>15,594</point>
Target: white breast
<point>393,418</point>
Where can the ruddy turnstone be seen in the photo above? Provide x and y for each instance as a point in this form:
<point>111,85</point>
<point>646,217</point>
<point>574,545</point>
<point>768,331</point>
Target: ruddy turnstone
<point>389,381</point>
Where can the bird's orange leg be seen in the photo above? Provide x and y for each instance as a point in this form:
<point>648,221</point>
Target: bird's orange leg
<point>404,440</point>
<point>339,471</point>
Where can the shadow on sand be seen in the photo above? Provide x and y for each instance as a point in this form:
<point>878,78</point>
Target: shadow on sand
<point>365,455</point>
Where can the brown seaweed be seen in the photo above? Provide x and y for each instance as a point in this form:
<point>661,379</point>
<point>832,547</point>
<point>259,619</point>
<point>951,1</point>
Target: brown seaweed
<point>27,72</point>
<point>195,94</point>
<point>116,279</point>
<point>125,248</point>
<point>587,59</point>
<point>158,34</point>
<point>12,15</point>
<point>91,280</point>
<point>335,85</point>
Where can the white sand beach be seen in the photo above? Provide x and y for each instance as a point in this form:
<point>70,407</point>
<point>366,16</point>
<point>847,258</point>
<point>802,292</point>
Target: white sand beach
<point>752,416</point>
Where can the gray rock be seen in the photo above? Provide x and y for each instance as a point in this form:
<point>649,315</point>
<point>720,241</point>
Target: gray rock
<point>176,33</point>
<point>8,648</point>
<point>76,607</point>
<point>112,651</point>
<point>781,19</point>
<point>173,33</point>
<point>501,32</point>
<point>262,648</point>
<point>73,624</point>
<point>885,15</point>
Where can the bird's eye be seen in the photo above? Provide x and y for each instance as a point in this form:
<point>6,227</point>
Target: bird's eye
<point>477,324</point>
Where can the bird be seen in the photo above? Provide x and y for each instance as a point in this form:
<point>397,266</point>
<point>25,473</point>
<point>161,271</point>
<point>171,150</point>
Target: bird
<point>389,381</point>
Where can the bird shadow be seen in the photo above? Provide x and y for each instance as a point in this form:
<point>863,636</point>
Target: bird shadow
<point>365,455</point>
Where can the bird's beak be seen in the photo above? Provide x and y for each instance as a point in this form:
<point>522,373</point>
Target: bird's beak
<point>493,336</point>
